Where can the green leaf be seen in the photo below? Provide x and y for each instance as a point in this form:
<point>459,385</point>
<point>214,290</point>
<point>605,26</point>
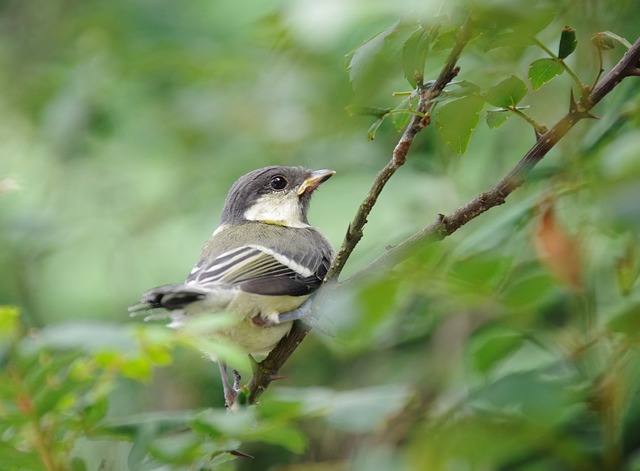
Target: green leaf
<point>364,55</point>
<point>371,132</point>
<point>456,120</point>
<point>568,42</point>
<point>627,321</point>
<point>286,436</point>
<point>445,41</point>
<point>491,345</point>
<point>359,110</point>
<point>543,70</point>
<point>414,54</point>
<point>496,118</point>
<point>507,93</point>
<point>401,116</point>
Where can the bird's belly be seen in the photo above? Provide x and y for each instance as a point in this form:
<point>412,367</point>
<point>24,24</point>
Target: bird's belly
<point>253,338</point>
<point>258,329</point>
<point>258,337</point>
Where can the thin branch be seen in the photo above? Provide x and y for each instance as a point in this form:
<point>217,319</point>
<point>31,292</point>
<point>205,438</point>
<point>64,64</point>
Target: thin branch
<point>443,225</point>
<point>268,369</point>
<point>399,156</point>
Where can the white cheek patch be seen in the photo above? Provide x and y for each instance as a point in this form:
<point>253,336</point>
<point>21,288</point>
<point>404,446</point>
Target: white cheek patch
<point>279,208</point>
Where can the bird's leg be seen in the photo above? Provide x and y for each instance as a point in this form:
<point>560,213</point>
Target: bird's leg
<point>230,392</point>
<point>301,313</point>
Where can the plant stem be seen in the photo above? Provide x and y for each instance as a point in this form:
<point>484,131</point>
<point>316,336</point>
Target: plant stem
<point>564,65</point>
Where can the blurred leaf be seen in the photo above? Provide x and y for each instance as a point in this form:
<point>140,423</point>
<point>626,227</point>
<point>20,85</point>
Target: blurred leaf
<point>543,400</point>
<point>355,411</point>
<point>492,344</point>
<point>378,297</point>
<point>175,448</point>
<point>362,56</point>
<point>558,250</point>
<point>414,54</point>
<point>217,423</point>
<point>161,421</point>
<point>627,321</point>
<point>628,267</point>
<point>507,93</point>
<point>359,110</point>
<point>496,118</point>
<point>285,435</point>
<point>479,271</point>
<point>462,88</point>
<point>543,70</point>
<point>445,40</point>
<point>527,292</point>
<point>568,42</point>
<point>371,132</point>
<point>456,121</point>
<point>9,316</point>
<point>605,40</point>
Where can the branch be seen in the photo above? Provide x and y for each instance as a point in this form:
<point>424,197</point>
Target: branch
<point>418,121</point>
<point>268,369</point>
<point>443,226</point>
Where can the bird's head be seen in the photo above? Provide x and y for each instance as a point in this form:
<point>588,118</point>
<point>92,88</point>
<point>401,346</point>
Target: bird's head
<point>274,195</point>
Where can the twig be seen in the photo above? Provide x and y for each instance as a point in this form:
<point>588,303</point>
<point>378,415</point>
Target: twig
<point>443,225</point>
<point>269,368</point>
<point>417,123</point>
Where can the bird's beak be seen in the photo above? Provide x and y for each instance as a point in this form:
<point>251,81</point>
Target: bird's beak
<point>314,180</point>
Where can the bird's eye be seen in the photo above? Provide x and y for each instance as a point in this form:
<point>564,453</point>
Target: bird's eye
<point>278,183</point>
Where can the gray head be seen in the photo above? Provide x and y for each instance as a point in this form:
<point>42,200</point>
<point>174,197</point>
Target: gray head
<point>276,195</point>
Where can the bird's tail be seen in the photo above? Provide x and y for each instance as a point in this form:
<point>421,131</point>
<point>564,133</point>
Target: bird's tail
<point>169,297</point>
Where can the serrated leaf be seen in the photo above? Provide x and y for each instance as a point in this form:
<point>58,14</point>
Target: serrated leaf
<point>568,42</point>
<point>496,118</point>
<point>507,93</point>
<point>360,57</point>
<point>542,71</point>
<point>414,54</point>
<point>457,119</point>
<point>359,110</point>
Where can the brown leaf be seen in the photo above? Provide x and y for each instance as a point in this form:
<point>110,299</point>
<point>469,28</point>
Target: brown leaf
<point>558,250</point>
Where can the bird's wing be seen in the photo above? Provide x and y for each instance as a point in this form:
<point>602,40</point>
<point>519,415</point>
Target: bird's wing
<point>260,270</point>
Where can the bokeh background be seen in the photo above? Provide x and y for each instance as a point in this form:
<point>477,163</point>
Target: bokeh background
<point>124,123</point>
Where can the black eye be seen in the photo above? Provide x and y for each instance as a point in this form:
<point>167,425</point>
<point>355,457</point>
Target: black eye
<point>278,183</point>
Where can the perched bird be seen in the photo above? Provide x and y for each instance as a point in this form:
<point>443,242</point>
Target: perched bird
<point>261,263</point>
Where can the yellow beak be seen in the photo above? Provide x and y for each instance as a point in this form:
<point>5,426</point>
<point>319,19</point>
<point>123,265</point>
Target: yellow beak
<point>314,180</point>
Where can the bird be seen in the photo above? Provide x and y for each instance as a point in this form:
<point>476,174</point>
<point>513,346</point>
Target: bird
<point>261,264</point>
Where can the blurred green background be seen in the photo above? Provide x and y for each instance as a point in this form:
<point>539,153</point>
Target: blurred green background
<point>124,123</point>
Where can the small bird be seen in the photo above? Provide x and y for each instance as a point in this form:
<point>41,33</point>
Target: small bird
<point>262,263</point>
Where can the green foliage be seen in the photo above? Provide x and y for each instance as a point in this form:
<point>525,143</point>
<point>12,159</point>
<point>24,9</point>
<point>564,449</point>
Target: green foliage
<point>543,70</point>
<point>414,54</point>
<point>456,120</point>
<point>507,93</point>
<point>126,124</point>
